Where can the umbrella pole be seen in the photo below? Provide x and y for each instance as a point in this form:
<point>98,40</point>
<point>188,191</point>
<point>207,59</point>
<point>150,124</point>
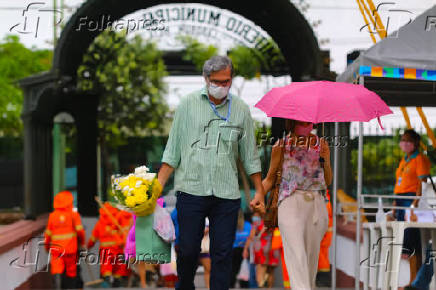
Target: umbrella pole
<point>335,190</point>
<point>359,192</point>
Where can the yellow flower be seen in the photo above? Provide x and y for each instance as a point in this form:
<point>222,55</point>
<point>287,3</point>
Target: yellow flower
<point>130,201</point>
<point>143,188</point>
<point>132,181</point>
<point>141,198</point>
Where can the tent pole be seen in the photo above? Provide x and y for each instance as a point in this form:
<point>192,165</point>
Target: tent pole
<point>335,190</point>
<point>359,192</point>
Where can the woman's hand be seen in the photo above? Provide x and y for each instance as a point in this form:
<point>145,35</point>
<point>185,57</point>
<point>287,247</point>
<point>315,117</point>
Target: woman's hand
<point>390,217</point>
<point>413,217</point>
<point>325,150</point>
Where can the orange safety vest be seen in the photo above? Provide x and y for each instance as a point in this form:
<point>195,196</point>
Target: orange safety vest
<point>64,229</point>
<point>124,219</point>
<point>106,232</point>
<point>323,260</point>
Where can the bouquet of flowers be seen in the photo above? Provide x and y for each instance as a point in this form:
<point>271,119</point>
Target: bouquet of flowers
<point>137,192</point>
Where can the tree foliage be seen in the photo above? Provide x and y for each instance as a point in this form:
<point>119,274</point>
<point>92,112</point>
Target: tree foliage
<point>247,62</point>
<point>197,52</point>
<point>128,76</point>
<point>381,157</point>
<point>17,62</point>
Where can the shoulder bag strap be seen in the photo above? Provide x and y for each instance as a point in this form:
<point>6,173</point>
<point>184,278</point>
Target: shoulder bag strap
<point>280,168</point>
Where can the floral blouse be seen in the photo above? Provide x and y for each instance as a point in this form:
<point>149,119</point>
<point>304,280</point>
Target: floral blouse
<point>301,170</point>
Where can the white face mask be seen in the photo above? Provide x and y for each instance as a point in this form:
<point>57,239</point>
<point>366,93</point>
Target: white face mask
<point>218,92</point>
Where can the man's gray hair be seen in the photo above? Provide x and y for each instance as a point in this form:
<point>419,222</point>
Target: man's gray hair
<point>217,63</point>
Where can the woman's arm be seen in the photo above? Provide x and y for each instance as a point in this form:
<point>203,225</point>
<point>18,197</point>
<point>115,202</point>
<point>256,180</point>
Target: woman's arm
<point>325,153</point>
<point>270,178</point>
<point>418,193</point>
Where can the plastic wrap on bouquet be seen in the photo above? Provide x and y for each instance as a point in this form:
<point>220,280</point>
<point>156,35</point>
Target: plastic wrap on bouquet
<point>150,247</point>
<point>130,248</point>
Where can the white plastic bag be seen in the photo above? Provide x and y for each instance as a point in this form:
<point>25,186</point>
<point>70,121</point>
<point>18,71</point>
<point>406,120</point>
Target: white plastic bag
<point>163,224</point>
<point>244,272</point>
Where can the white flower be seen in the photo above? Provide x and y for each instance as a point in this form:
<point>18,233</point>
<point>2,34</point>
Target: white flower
<point>149,176</point>
<point>126,188</point>
<point>141,170</point>
<point>118,187</point>
<point>138,183</point>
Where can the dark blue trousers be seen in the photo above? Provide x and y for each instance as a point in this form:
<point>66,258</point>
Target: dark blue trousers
<point>191,213</point>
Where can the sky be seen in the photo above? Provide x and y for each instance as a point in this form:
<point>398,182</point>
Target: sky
<point>338,30</point>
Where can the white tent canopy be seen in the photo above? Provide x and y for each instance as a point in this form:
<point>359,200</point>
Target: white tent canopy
<point>412,46</point>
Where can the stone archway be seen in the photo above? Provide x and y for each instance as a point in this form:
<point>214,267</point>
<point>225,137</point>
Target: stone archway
<point>49,93</point>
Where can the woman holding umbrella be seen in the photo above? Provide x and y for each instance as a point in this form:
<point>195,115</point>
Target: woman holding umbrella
<point>305,167</point>
<point>302,214</point>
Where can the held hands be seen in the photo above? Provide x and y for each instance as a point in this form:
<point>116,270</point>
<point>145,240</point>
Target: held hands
<point>257,203</point>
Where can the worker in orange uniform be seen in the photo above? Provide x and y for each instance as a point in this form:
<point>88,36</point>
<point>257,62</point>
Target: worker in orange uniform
<point>111,239</point>
<point>277,243</point>
<point>62,238</point>
<point>323,277</point>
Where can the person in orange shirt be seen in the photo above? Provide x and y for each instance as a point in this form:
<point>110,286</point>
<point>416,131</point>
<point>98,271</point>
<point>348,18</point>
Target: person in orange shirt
<point>62,238</point>
<point>111,239</point>
<point>414,169</point>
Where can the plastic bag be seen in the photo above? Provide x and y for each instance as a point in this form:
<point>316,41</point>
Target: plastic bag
<point>163,224</point>
<point>244,272</point>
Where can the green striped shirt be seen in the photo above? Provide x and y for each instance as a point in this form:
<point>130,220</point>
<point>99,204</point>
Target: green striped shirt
<point>204,149</point>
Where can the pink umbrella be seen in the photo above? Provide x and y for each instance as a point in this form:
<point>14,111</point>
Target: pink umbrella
<point>323,101</point>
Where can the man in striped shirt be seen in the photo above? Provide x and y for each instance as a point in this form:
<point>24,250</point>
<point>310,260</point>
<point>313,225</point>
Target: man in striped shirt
<point>211,130</point>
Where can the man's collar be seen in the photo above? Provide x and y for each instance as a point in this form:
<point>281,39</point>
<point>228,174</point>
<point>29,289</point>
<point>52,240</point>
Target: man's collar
<point>413,155</point>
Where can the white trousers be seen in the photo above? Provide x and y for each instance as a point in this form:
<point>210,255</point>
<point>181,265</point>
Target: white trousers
<point>303,221</point>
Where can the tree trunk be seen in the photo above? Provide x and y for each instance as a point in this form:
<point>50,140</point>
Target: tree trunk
<point>107,168</point>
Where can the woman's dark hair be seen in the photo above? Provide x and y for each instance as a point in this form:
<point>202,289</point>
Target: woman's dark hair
<point>289,125</point>
<point>415,136</point>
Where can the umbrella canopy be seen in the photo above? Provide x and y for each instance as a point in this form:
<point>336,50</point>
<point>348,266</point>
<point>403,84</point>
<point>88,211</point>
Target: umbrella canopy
<point>323,101</point>
<point>409,52</point>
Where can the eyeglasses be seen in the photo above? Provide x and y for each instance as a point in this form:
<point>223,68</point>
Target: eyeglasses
<point>220,82</point>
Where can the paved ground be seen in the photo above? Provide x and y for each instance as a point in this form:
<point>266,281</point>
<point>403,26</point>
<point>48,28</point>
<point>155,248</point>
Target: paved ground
<point>205,288</point>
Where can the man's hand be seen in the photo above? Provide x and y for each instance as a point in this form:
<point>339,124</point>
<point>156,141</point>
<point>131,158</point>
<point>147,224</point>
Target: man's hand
<point>257,203</point>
